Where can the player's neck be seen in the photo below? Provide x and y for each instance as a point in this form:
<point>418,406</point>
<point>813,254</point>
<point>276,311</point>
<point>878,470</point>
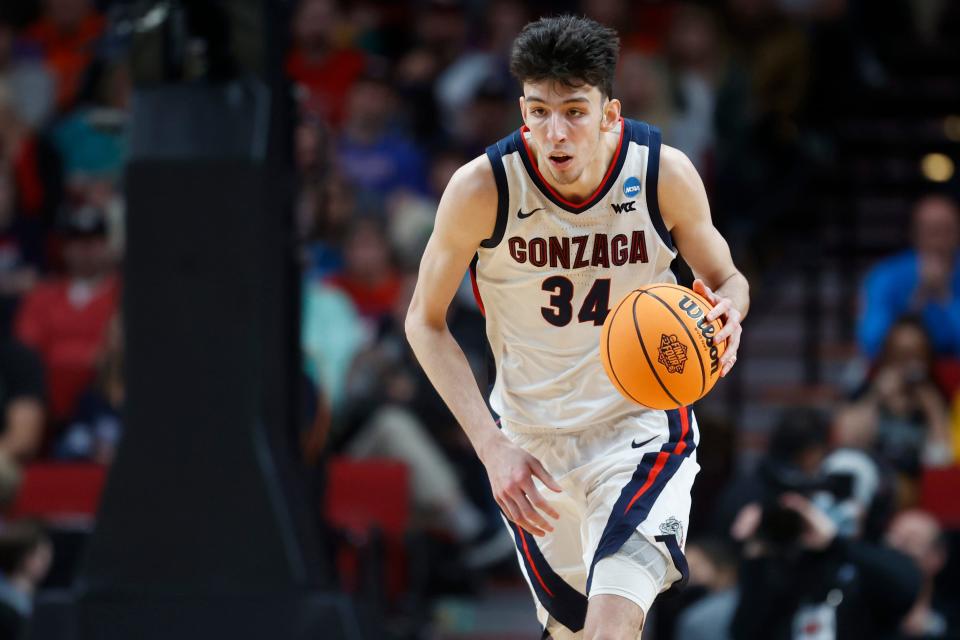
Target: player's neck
<point>589,180</point>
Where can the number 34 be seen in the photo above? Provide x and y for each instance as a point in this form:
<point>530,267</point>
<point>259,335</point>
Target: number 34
<point>595,306</point>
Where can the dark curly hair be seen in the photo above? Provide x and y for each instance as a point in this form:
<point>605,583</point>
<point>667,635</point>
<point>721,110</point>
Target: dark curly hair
<point>574,51</point>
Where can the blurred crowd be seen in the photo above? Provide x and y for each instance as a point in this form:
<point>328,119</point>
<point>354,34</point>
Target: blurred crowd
<point>390,99</point>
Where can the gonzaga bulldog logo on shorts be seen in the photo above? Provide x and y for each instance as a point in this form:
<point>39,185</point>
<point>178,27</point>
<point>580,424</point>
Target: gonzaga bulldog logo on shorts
<point>672,526</point>
<point>673,353</point>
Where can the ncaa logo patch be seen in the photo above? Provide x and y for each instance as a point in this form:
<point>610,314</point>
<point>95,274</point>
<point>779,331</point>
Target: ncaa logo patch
<point>631,187</point>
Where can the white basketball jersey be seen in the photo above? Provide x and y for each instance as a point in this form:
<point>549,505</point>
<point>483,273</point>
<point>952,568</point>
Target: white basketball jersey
<point>553,269</point>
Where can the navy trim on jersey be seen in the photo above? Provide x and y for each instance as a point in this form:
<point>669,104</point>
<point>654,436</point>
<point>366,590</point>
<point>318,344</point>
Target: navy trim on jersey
<point>565,604</point>
<point>629,510</point>
<point>679,561</point>
<point>614,175</point>
<point>653,170</point>
<point>495,155</point>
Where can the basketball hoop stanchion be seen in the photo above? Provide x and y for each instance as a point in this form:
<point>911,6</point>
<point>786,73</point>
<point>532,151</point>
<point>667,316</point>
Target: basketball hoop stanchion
<point>205,529</point>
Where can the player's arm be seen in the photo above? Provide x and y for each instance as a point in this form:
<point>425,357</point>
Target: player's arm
<point>686,212</point>
<point>466,216</point>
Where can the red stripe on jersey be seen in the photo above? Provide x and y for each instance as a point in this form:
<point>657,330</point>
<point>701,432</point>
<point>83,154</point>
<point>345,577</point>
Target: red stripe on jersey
<point>606,177</point>
<point>663,456</point>
<point>526,551</point>
<point>685,426</point>
<point>476,291</point>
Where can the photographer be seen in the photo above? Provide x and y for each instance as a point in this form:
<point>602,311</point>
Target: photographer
<point>805,572</point>
<point>900,413</point>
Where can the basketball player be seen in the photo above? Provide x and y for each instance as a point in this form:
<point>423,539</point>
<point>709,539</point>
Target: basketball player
<point>557,222</point>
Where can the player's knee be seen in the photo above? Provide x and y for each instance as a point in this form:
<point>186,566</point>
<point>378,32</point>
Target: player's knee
<point>611,617</point>
<point>616,630</point>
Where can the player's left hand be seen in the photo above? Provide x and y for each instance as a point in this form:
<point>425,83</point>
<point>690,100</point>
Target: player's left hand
<point>723,307</point>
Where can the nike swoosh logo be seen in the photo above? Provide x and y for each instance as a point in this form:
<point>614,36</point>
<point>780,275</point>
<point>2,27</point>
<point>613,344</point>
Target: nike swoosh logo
<point>521,214</point>
<point>648,441</point>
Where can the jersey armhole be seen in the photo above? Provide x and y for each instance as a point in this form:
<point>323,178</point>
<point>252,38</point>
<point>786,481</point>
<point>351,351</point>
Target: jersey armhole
<point>503,199</point>
<point>653,203</point>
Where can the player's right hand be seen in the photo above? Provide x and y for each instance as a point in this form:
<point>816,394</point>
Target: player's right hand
<point>511,471</point>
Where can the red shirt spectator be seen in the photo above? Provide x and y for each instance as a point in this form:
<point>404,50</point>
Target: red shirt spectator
<point>320,64</point>
<point>67,34</point>
<point>34,164</point>
<point>66,320</point>
<point>372,299</point>
<point>368,276</point>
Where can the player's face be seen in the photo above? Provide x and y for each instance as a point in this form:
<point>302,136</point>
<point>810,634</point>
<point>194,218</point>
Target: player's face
<point>566,124</point>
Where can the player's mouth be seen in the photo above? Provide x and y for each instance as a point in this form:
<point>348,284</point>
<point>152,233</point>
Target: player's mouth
<point>560,160</point>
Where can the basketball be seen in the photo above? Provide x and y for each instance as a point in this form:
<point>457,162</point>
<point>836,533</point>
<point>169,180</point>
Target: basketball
<point>657,346</point>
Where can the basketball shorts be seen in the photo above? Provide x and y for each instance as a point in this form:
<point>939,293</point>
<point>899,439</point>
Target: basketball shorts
<point>624,513</point>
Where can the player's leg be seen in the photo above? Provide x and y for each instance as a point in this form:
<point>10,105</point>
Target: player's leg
<point>624,586</point>
<point>611,617</point>
<point>554,572</point>
<point>637,510</point>
<point>553,564</point>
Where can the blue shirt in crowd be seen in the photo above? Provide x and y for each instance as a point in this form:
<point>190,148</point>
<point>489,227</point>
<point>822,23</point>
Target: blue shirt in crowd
<point>888,293</point>
<point>386,165</point>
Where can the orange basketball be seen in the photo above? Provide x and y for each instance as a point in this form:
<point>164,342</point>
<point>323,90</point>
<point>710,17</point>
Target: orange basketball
<point>657,346</point>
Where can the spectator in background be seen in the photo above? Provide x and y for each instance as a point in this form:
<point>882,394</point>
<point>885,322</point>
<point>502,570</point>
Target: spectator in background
<point>760,97</point>
<point>66,35</point>
<point>412,216</point>
<point>30,84</point>
<point>460,83</point>
<point>924,280</point>
<point>817,584</point>
<point>492,110</point>
<point>713,567</point>
<point>441,35</point>
<point>901,414</point>
<point>94,431</point>
<point>371,154</point>
<point>34,163</point>
<point>331,335</point>
<point>11,478</point>
<point>798,445</point>
<point>643,87</point>
<point>395,413</point>
<point>26,554</point>
<point>918,535</point>
<point>21,250</point>
<point>369,276</point>
<point>326,209</point>
<point>21,401</point>
<point>322,63</point>
<point>65,319</point>
<point>693,52</point>
<point>92,138</point>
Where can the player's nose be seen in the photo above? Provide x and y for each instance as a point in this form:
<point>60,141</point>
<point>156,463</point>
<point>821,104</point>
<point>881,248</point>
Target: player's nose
<point>556,130</point>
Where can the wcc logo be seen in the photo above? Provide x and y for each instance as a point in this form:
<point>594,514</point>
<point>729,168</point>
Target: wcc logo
<point>624,207</point>
<point>631,187</point>
<point>672,353</point>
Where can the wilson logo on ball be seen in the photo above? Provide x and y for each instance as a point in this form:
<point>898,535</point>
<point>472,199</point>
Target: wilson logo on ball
<point>705,328</point>
<point>673,353</point>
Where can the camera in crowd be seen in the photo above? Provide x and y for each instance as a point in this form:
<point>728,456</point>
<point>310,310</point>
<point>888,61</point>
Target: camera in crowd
<point>780,526</point>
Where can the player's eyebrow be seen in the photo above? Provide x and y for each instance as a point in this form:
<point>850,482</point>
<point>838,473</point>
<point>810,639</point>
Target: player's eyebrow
<point>539,99</point>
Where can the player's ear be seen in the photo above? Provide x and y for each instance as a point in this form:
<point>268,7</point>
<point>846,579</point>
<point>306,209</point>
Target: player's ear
<point>523,110</point>
<point>611,115</point>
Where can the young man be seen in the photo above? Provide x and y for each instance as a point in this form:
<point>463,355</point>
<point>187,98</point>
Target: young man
<point>558,222</point>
